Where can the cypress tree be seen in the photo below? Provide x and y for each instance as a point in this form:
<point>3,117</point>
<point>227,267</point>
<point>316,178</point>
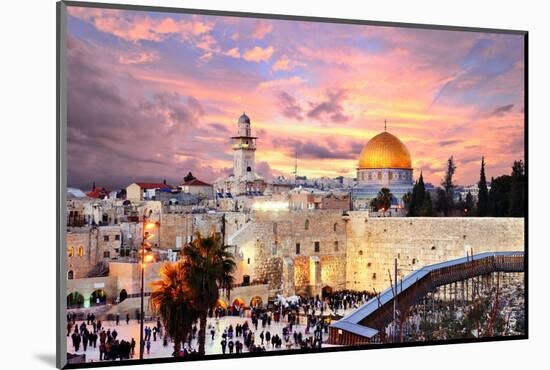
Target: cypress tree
<point>448,186</point>
<point>483,195</point>
<point>469,204</point>
<point>427,208</point>
<point>517,190</point>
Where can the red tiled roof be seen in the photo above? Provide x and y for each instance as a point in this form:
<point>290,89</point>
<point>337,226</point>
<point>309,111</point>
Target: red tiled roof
<point>196,182</point>
<point>97,193</point>
<point>152,185</point>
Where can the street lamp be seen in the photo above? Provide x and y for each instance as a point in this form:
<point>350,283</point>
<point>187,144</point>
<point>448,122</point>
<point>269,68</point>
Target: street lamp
<point>144,259</point>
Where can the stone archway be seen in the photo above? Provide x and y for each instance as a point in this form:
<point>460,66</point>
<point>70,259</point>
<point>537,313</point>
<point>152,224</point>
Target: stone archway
<point>327,290</point>
<point>256,302</point>
<point>122,295</point>
<point>238,303</point>
<point>75,300</point>
<point>98,298</point>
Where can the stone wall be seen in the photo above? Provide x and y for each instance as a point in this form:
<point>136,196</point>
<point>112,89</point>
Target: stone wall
<point>374,243</point>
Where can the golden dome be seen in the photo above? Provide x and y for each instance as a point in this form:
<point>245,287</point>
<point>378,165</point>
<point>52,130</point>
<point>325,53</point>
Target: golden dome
<point>385,151</point>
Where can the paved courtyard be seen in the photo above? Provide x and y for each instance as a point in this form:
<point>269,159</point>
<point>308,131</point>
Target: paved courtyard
<point>158,350</point>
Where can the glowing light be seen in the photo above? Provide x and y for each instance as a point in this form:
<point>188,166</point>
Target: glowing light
<point>270,206</point>
<point>149,236</point>
<point>148,258</point>
<point>150,225</point>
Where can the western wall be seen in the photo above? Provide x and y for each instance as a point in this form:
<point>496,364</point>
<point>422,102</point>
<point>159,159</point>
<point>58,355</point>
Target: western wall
<point>305,251</point>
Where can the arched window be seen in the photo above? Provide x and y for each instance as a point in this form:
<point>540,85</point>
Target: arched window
<point>335,227</point>
<point>80,251</point>
<point>70,251</point>
<point>70,275</point>
<point>379,175</point>
<point>306,226</point>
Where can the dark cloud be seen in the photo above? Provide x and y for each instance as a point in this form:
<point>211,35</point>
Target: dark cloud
<point>502,110</point>
<point>116,137</point>
<point>330,109</point>
<point>481,65</point>
<point>289,106</point>
<point>264,169</point>
<point>326,149</point>
<point>448,142</point>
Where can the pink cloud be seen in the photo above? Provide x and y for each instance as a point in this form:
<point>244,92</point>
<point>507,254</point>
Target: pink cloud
<point>258,54</point>
<point>234,53</point>
<point>261,30</point>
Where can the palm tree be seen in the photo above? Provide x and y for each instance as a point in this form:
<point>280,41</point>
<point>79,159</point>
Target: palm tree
<point>209,267</point>
<point>383,200</point>
<point>171,301</point>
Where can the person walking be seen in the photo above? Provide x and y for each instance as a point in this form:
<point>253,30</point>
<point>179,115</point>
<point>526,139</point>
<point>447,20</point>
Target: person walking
<point>127,318</point>
<point>132,347</point>
<point>117,319</point>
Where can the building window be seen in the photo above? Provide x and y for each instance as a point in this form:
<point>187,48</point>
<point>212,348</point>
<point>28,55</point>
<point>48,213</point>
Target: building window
<point>306,226</point>
<point>105,238</point>
<point>117,237</point>
<point>297,248</point>
<point>248,169</point>
<point>317,246</point>
<point>274,228</point>
<point>80,251</point>
<point>414,261</point>
<point>335,227</point>
<point>379,175</point>
<point>106,254</point>
<point>70,251</point>
<point>248,261</point>
<point>336,246</point>
<point>70,275</point>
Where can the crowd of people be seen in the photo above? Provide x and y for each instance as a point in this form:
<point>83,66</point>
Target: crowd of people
<point>110,346</point>
<point>300,324</point>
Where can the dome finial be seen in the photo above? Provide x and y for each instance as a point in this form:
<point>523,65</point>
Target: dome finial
<point>385,125</point>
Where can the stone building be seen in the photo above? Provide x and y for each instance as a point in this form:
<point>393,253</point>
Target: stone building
<point>384,162</point>
<point>89,246</point>
<point>244,179</point>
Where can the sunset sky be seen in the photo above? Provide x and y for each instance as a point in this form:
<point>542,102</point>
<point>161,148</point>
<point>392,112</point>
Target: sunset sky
<point>152,96</point>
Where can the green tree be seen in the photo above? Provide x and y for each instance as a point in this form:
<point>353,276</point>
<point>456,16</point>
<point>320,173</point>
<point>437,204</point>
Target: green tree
<point>426,210</point>
<point>383,200</point>
<point>517,190</point>
<point>448,186</point>
<point>189,177</point>
<point>407,200</point>
<point>170,300</point>
<point>483,195</point>
<point>417,199</point>
<point>209,267</point>
<point>442,203</point>
<point>469,204</point>
<point>499,196</point>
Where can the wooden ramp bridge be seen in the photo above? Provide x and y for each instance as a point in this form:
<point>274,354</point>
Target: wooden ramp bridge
<point>366,324</point>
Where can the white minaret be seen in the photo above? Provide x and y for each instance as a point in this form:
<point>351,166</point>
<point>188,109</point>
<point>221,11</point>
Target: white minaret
<point>244,147</point>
